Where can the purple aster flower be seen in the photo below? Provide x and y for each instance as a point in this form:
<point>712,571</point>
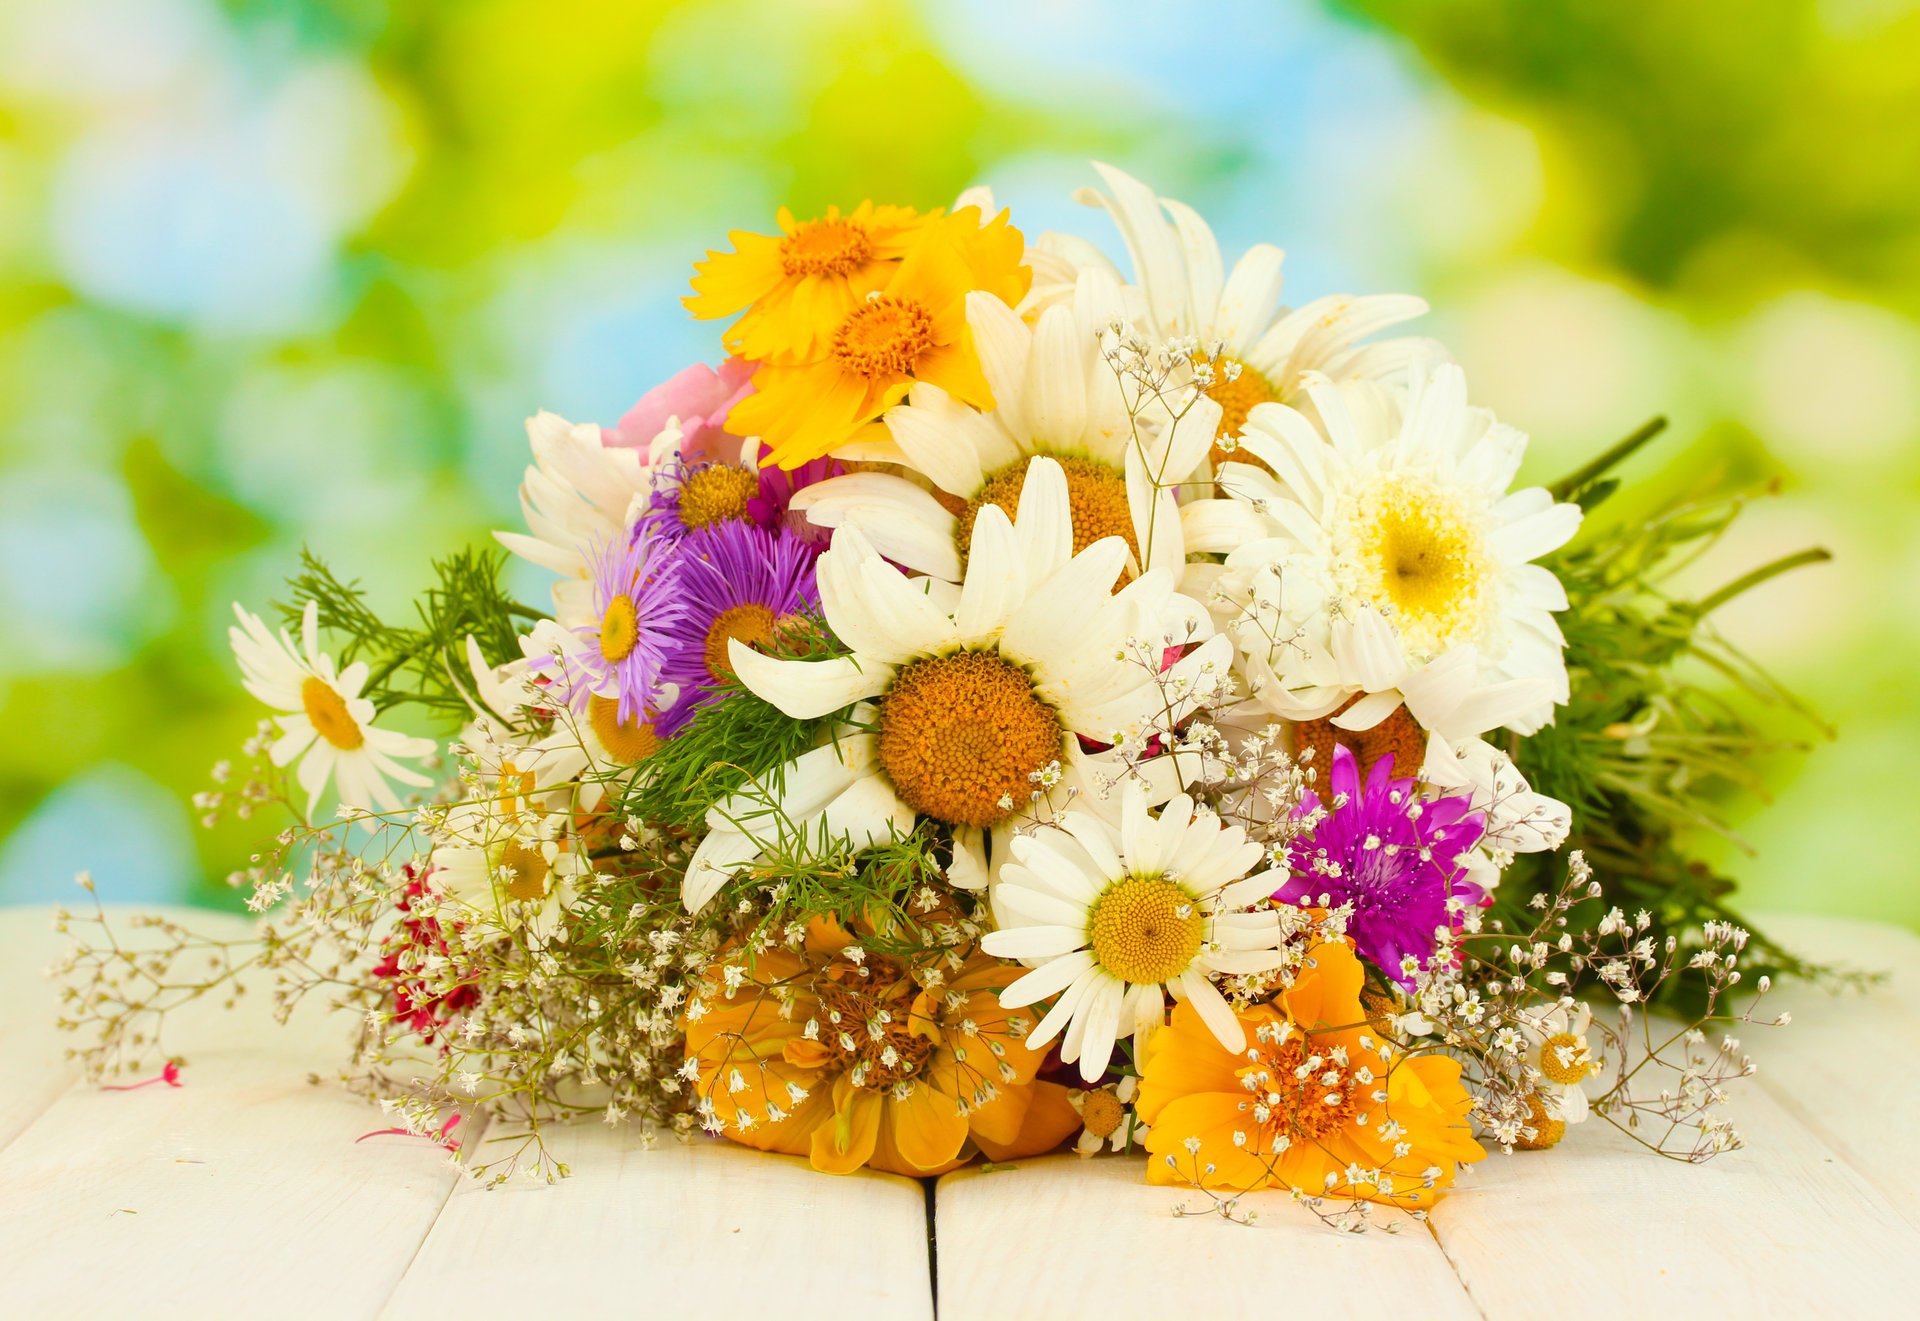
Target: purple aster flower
<point>637,599</point>
<point>735,580</point>
<point>1396,857</point>
<point>693,496</point>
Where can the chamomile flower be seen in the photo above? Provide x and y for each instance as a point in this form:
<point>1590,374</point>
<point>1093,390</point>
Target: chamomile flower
<point>323,720</point>
<point>508,865</point>
<point>971,698</point>
<point>1115,919</point>
<point>1559,1048</point>
<point>1107,1118</point>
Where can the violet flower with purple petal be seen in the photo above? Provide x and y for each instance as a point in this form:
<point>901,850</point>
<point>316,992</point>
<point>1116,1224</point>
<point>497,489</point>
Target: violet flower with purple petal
<point>637,597</point>
<point>1392,854</point>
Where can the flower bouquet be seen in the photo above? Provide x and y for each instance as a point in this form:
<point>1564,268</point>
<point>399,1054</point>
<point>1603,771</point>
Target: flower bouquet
<point>1015,701</point>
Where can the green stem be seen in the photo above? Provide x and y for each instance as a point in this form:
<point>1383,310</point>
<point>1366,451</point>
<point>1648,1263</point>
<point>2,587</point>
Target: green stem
<point>1748,581</point>
<point>1584,476</point>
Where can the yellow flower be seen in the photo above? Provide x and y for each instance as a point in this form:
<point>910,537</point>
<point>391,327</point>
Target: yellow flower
<point>852,1058</point>
<point>801,283</point>
<point>1316,1095</point>
<point>912,328</point>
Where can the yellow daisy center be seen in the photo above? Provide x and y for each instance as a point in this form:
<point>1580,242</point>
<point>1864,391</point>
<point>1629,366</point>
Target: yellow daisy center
<point>884,337</point>
<point>825,247</point>
<point>1096,497</point>
<point>1145,929</point>
<point>619,629</point>
<point>1419,549</point>
<point>1547,1130</point>
<point>1237,398</point>
<point>515,785</point>
<point>1298,1089</point>
<point>750,622</point>
<point>716,494</point>
<point>626,741</point>
<point>327,713</point>
<point>524,871</point>
<point>1565,1059</point>
<point>1101,1113</point>
<point>962,736</point>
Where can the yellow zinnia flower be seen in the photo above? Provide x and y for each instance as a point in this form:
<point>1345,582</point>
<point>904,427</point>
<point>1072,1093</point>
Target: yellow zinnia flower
<point>852,1058</point>
<point>1316,1102</point>
<point>798,285</point>
<point>913,328</point>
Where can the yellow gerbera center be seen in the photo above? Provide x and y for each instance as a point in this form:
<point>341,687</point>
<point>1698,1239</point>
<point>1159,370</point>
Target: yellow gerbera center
<point>1096,497</point>
<point>1101,1113</point>
<point>1419,550</point>
<point>883,337</point>
<point>825,247</point>
<point>1237,397</point>
<point>750,622</point>
<point>626,741</point>
<point>961,737</point>
<point>524,871</point>
<point>717,493</point>
<point>1145,929</point>
<point>866,1023</point>
<point>1299,1089</point>
<point>619,629</point>
<point>1565,1058</point>
<point>1547,1131</point>
<point>327,713</point>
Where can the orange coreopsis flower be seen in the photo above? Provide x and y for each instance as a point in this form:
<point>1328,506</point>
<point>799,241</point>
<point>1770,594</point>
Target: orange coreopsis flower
<point>799,284</point>
<point>853,1059</point>
<point>912,328</point>
<point>1315,1093</point>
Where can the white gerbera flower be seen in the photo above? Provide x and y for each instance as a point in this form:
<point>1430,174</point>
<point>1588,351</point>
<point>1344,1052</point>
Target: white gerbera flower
<point>1054,396</point>
<point>509,866</point>
<point>323,720</point>
<point>579,493</point>
<point>1396,565</point>
<point>1115,919</point>
<point>977,695</point>
<point>1267,350</point>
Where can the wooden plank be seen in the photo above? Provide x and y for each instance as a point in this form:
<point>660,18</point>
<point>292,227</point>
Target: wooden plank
<point>1599,1227</point>
<point>33,1068</point>
<point>1067,1238</point>
<point>703,1228</point>
<point>240,1194</point>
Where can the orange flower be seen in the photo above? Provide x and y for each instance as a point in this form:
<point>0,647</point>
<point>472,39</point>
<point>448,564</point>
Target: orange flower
<point>855,1059</point>
<point>912,328</point>
<point>1316,1093</point>
<point>800,284</point>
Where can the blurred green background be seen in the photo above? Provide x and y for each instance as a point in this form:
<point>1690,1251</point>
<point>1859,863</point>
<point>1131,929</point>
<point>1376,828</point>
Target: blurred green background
<point>277,273</point>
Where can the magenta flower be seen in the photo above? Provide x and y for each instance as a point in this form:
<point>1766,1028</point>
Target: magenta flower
<point>701,398</point>
<point>1394,856</point>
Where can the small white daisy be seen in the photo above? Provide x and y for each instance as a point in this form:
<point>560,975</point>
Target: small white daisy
<point>509,866</point>
<point>323,720</point>
<point>1108,1121</point>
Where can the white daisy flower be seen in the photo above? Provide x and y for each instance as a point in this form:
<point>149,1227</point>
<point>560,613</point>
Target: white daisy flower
<point>579,493</point>
<point>1396,565</point>
<point>508,865</point>
<point>1108,1121</point>
<point>974,698</point>
<point>1055,396</point>
<point>1564,1056</point>
<point>1267,350</point>
<point>323,720</point>
<point>1115,919</point>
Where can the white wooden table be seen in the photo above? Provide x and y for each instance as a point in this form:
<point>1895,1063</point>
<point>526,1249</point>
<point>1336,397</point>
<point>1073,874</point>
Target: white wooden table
<point>243,1194</point>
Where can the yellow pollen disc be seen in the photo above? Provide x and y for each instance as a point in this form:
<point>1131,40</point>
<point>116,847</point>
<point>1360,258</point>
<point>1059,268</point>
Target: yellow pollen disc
<point>1145,929</point>
<point>1101,1113</point>
<point>619,629</point>
<point>1547,1130</point>
<point>523,871</point>
<point>327,712</point>
<point>515,784</point>
<point>626,741</point>
<point>884,336</point>
<point>751,623</point>
<point>1565,1059</point>
<point>961,737</point>
<point>825,247</point>
<point>1237,398</point>
<point>1419,550</point>
<point>1096,497</point>
<point>716,494</point>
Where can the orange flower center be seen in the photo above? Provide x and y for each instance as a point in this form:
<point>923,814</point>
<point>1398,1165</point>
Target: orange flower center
<point>750,622</point>
<point>1399,734</point>
<point>1237,398</point>
<point>626,741</point>
<point>523,870</point>
<point>961,737</point>
<point>1096,497</point>
<point>619,629</point>
<point>883,337</point>
<point>864,1023</point>
<point>327,712</point>
<point>1298,1089</point>
<point>717,493</point>
<point>1101,1113</point>
<point>1145,930</point>
<point>825,247</point>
